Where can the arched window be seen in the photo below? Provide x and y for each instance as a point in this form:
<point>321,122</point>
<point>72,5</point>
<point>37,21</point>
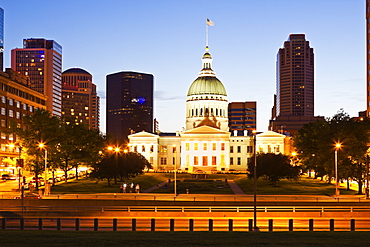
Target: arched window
<point>217,112</point>
<point>196,112</point>
<point>192,112</point>
<point>207,112</point>
<point>201,112</point>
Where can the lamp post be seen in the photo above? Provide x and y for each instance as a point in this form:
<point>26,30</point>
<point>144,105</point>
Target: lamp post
<point>42,146</point>
<point>337,146</point>
<point>175,170</point>
<point>255,228</point>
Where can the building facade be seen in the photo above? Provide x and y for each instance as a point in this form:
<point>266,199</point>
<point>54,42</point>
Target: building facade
<point>80,101</point>
<point>1,39</point>
<point>206,144</point>
<point>129,104</point>
<point>41,60</point>
<point>16,100</point>
<point>294,100</point>
<point>243,116</point>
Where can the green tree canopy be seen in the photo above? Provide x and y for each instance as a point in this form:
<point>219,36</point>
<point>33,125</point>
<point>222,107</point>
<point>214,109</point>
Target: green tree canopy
<point>274,167</point>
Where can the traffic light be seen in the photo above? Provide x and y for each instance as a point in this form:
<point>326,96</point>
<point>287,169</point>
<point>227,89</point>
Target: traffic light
<point>20,163</point>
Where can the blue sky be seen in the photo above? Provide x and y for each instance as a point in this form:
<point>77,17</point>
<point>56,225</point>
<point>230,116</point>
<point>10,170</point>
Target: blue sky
<point>167,39</point>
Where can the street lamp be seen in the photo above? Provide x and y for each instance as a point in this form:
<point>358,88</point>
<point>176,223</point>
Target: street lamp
<point>175,169</point>
<point>255,228</point>
<point>42,146</point>
<point>337,146</point>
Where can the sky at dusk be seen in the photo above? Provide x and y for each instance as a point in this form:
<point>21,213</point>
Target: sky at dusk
<point>167,39</point>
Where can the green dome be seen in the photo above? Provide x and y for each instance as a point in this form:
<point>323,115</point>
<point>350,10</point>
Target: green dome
<point>207,85</point>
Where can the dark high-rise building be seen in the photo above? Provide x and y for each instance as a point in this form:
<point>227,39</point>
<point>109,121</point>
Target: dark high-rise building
<point>129,104</point>
<point>242,116</point>
<point>41,60</point>
<point>368,58</point>
<point>294,101</point>
<point>80,101</point>
<point>1,39</point>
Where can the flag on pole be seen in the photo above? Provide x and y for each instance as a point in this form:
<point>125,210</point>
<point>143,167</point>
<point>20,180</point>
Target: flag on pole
<point>210,23</point>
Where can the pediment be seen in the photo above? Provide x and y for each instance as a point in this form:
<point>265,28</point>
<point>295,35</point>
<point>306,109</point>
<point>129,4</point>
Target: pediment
<point>205,130</point>
<point>270,134</point>
<point>143,134</point>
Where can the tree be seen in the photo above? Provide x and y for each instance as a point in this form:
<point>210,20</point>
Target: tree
<point>274,167</point>
<point>315,142</point>
<point>120,165</point>
<point>77,145</point>
<point>41,127</point>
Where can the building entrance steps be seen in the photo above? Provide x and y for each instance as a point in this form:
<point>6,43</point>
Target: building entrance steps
<point>236,189</point>
<point>155,187</point>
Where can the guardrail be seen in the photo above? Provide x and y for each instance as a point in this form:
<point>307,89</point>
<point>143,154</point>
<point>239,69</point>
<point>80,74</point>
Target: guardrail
<point>185,209</point>
<point>150,224</point>
<point>200,197</point>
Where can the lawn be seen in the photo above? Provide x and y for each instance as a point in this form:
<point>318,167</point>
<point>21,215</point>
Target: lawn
<point>303,186</point>
<point>213,184</point>
<point>137,239</point>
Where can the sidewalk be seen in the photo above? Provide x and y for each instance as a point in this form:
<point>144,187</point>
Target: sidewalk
<point>155,187</point>
<point>236,189</point>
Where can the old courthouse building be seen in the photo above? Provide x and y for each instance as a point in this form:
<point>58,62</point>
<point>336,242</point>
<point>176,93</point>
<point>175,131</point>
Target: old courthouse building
<point>206,144</point>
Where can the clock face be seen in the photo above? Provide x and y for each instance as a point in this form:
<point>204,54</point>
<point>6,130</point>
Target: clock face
<point>140,100</point>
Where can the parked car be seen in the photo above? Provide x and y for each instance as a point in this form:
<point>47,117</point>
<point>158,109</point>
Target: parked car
<point>29,196</point>
<point>9,177</point>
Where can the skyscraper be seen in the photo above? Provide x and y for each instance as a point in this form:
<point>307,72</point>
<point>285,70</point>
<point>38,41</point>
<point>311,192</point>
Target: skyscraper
<point>80,101</point>
<point>368,58</point>
<point>41,60</point>
<point>243,116</point>
<point>1,39</point>
<point>294,101</point>
<point>129,104</point>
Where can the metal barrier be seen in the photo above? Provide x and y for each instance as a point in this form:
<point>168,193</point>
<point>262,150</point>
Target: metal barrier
<point>151,224</point>
<point>188,209</point>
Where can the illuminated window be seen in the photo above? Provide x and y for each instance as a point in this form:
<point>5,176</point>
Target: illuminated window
<point>151,148</point>
<point>222,146</point>
<point>3,99</point>
<point>195,160</point>
<point>195,146</point>
<point>3,123</point>
<point>214,146</point>
<point>10,101</point>
<point>205,160</point>
<point>164,149</point>
<point>10,113</point>
<point>163,161</point>
<point>187,146</point>
<point>18,104</point>
<point>3,135</point>
<point>173,149</point>
<point>214,159</point>
<point>204,146</point>
<point>3,111</point>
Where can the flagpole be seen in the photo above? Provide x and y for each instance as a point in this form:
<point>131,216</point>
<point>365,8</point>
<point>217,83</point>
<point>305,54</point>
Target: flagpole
<point>206,34</point>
